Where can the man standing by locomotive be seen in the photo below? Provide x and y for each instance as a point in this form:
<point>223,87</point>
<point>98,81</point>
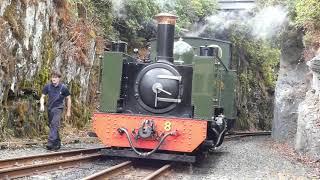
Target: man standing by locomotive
<point>56,92</point>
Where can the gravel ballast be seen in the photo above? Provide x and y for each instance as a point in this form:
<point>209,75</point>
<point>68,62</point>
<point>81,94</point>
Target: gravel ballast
<point>245,158</point>
<point>249,158</point>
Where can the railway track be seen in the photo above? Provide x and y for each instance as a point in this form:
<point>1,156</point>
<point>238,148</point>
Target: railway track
<point>37,164</point>
<point>32,165</point>
<point>127,170</point>
<point>247,134</point>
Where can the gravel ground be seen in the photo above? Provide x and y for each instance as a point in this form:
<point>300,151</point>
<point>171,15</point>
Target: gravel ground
<point>68,174</point>
<point>248,158</point>
<point>245,158</point>
<point>86,169</point>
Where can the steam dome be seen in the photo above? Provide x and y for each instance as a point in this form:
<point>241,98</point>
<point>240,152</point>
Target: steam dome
<point>183,52</point>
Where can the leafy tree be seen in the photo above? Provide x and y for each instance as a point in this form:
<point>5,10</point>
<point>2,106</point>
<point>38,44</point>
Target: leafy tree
<point>103,15</point>
<point>257,63</point>
<point>137,24</point>
<point>97,11</point>
<point>308,17</point>
<point>190,12</point>
<point>308,12</point>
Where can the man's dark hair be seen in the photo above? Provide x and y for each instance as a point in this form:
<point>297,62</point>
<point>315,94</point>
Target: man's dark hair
<point>56,73</point>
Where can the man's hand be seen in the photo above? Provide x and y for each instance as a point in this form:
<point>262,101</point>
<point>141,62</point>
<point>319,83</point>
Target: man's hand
<point>41,108</point>
<point>68,114</point>
<point>42,103</point>
<point>68,107</point>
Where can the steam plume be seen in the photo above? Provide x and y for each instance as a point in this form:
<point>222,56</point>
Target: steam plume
<point>118,8</point>
<point>263,25</point>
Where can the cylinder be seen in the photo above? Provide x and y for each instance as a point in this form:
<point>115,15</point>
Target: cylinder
<point>119,46</point>
<point>165,37</point>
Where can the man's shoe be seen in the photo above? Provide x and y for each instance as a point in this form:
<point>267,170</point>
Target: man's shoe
<point>54,148</point>
<point>49,145</point>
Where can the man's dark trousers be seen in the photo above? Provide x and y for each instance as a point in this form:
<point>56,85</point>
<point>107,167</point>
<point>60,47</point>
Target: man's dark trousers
<point>54,115</point>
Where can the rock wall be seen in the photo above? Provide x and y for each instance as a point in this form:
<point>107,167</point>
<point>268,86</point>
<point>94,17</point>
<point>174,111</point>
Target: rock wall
<point>297,102</point>
<point>308,126</point>
<point>308,130</point>
<point>36,37</point>
<point>291,86</point>
<point>289,93</point>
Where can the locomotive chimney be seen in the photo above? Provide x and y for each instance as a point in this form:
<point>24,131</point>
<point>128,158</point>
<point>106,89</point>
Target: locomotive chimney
<point>165,37</point>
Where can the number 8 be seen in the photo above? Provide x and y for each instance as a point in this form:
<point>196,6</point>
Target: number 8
<point>167,126</point>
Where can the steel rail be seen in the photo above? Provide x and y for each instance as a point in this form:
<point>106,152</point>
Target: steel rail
<point>13,162</point>
<point>158,172</point>
<point>251,133</point>
<point>246,134</point>
<point>15,172</point>
<point>105,173</point>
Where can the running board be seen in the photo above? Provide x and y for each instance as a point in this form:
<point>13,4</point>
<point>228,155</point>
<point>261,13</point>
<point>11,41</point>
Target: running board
<point>159,156</point>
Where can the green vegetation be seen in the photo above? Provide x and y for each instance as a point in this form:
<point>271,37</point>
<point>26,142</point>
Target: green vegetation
<point>135,26</point>
<point>81,111</point>
<point>21,117</point>
<point>308,13</point>
<point>104,17</point>
<point>259,62</point>
<point>260,56</point>
<point>308,17</point>
<point>191,12</point>
<point>25,120</point>
<point>48,55</point>
<point>134,22</point>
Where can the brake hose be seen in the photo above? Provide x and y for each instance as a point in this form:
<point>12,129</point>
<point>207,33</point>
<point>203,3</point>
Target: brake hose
<point>218,143</point>
<point>124,130</point>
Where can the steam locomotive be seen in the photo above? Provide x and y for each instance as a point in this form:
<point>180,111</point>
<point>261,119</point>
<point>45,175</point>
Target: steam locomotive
<point>174,107</point>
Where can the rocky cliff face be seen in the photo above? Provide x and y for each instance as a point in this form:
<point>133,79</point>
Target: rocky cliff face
<point>296,113</point>
<point>308,126</point>
<point>290,88</point>
<point>36,37</point>
<point>308,131</point>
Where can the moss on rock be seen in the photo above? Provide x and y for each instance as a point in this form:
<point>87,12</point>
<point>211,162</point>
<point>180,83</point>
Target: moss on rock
<point>257,77</point>
<point>19,115</point>
<point>13,15</point>
<point>81,111</point>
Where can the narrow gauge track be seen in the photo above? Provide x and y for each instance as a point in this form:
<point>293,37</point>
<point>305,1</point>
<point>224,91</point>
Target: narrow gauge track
<point>30,165</point>
<point>127,170</point>
<point>246,134</point>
